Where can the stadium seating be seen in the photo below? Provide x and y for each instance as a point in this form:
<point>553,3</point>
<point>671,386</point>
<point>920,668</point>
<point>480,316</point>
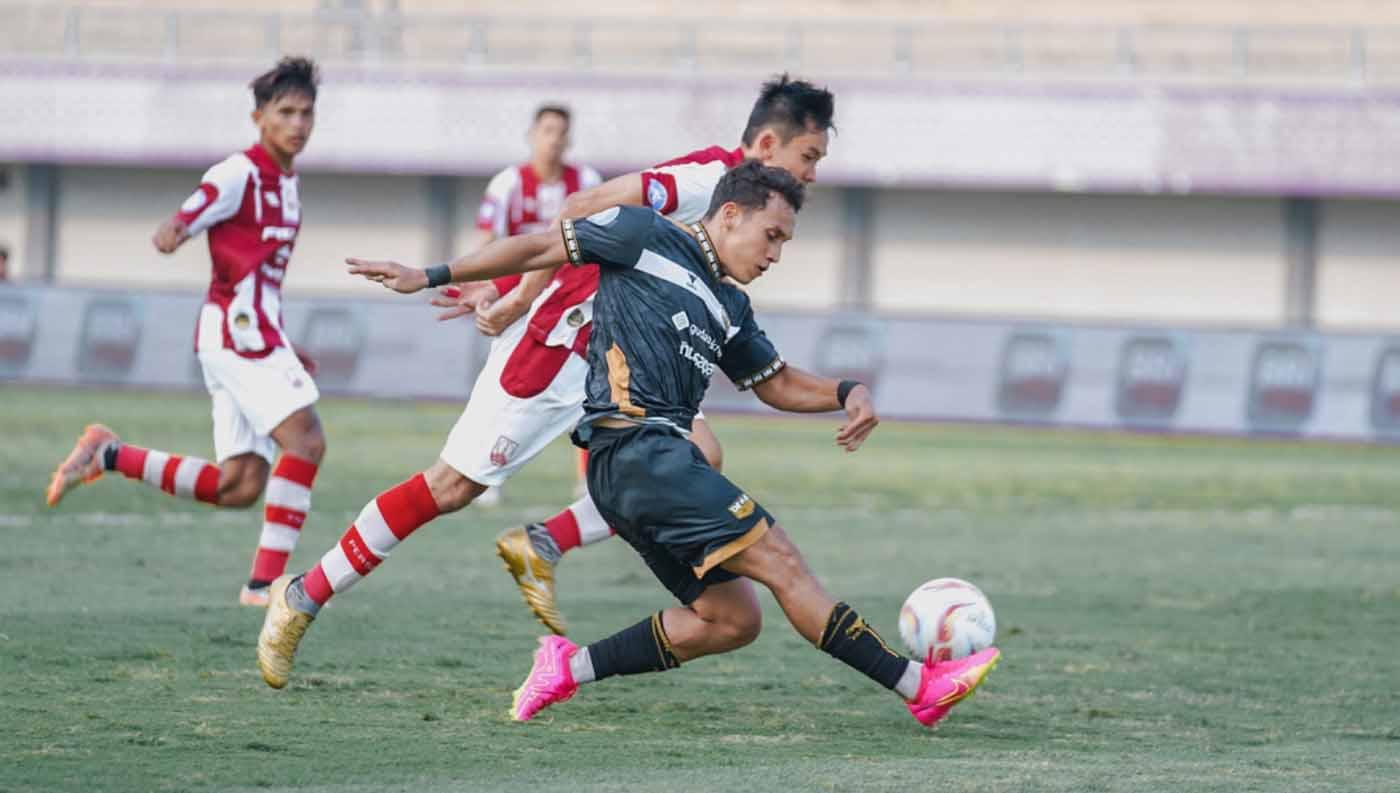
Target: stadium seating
<point>1291,41</point>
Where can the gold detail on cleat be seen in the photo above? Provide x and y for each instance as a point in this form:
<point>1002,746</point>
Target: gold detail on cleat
<point>82,465</point>
<point>282,630</point>
<point>968,681</point>
<point>533,575</point>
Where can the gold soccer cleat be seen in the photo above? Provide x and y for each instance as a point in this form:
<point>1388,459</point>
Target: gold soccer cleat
<point>532,574</point>
<point>82,465</point>
<point>282,630</point>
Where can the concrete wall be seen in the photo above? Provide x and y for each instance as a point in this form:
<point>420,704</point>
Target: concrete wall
<point>1165,259</point>
<point>1359,275</point>
<point>13,234</point>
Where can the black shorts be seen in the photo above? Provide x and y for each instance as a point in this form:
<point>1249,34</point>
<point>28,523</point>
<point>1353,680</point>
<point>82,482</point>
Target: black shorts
<point>656,490</point>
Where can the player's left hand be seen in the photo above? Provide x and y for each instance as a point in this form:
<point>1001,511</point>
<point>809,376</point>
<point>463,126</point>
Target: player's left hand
<point>404,280</point>
<point>492,319</point>
<point>861,419</point>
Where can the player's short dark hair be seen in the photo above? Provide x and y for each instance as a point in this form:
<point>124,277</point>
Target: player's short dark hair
<point>791,107</point>
<point>558,110</point>
<point>750,184</point>
<point>292,74</point>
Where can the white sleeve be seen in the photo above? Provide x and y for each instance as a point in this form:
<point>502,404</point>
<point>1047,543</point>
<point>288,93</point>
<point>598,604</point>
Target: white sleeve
<point>494,213</point>
<point>682,191</point>
<point>219,196</point>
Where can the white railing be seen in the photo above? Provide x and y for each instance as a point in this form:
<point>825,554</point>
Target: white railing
<point>889,49</point>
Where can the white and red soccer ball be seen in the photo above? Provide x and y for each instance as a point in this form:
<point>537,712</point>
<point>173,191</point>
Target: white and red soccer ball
<point>947,618</point>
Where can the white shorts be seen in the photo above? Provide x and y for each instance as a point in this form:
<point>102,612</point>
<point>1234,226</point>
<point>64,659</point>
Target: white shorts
<point>497,434</point>
<point>251,397</point>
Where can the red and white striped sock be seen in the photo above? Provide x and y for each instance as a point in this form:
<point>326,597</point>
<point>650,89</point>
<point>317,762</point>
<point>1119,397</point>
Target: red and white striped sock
<point>183,477</point>
<point>286,502</point>
<point>383,523</point>
<point>580,524</point>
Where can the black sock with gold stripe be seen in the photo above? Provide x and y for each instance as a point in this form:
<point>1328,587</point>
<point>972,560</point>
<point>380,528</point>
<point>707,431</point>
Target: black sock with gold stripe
<point>632,651</point>
<point>848,638</point>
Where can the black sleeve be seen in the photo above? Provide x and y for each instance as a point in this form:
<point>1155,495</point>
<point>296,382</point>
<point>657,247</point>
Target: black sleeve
<point>750,358</point>
<point>611,238</point>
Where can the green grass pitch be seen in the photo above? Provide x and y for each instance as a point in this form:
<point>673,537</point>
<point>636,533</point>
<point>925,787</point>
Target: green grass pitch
<point>1176,614</point>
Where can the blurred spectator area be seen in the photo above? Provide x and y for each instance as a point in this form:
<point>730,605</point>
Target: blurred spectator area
<point>1155,161</point>
<point>1180,40</point>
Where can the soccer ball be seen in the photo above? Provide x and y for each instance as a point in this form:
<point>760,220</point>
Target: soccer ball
<point>947,618</point>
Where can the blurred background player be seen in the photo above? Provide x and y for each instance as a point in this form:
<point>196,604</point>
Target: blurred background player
<point>519,200</point>
<point>262,390</point>
<point>789,127</point>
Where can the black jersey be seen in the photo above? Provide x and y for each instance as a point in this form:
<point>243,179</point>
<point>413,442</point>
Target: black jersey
<point>663,319</point>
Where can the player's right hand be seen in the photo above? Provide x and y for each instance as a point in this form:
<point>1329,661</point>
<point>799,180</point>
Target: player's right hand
<point>170,235</point>
<point>392,275</point>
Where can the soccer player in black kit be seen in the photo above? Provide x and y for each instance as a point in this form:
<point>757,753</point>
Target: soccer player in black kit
<point>666,317</point>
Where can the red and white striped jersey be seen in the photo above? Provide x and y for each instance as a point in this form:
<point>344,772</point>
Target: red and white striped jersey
<point>517,202</point>
<point>561,319</point>
<point>681,188</point>
<point>251,211</point>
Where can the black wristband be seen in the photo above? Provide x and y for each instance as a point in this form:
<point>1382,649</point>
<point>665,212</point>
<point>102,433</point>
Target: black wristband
<point>844,390</point>
<point>439,275</point>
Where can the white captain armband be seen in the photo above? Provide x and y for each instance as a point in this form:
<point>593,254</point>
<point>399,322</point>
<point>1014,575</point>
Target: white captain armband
<point>566,227</point>
<point>762,375</point>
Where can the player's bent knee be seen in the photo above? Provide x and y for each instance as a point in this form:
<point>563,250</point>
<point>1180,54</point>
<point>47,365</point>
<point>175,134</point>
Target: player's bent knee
<point>241,495</point>
<point>741,627</point>
<point>313,446</point>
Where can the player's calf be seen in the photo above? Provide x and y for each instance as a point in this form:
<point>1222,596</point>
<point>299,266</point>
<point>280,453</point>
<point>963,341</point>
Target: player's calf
<point>99,450</point>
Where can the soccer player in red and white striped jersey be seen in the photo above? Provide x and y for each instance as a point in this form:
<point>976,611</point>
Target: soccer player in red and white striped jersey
<point>519,200</point>
<point>249,208</point>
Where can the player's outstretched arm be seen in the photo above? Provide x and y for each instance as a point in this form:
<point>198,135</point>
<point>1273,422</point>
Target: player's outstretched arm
<point>796,391</point>
<point>624,190</point>
<point>507,256</point>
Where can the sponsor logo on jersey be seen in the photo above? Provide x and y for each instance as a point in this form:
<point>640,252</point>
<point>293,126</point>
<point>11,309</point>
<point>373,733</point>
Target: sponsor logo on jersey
<point>656,195</point>
<point>705,365</point>
<point>680,320</point>
<point>503,450</point>
<point>705,338</point>
<point>279,233</point>
<point>742,506</point>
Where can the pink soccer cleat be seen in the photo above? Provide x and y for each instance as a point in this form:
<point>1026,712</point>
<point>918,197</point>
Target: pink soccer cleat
<point>549,681</point>
<point>83,464</point>
<point>946,683</point>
